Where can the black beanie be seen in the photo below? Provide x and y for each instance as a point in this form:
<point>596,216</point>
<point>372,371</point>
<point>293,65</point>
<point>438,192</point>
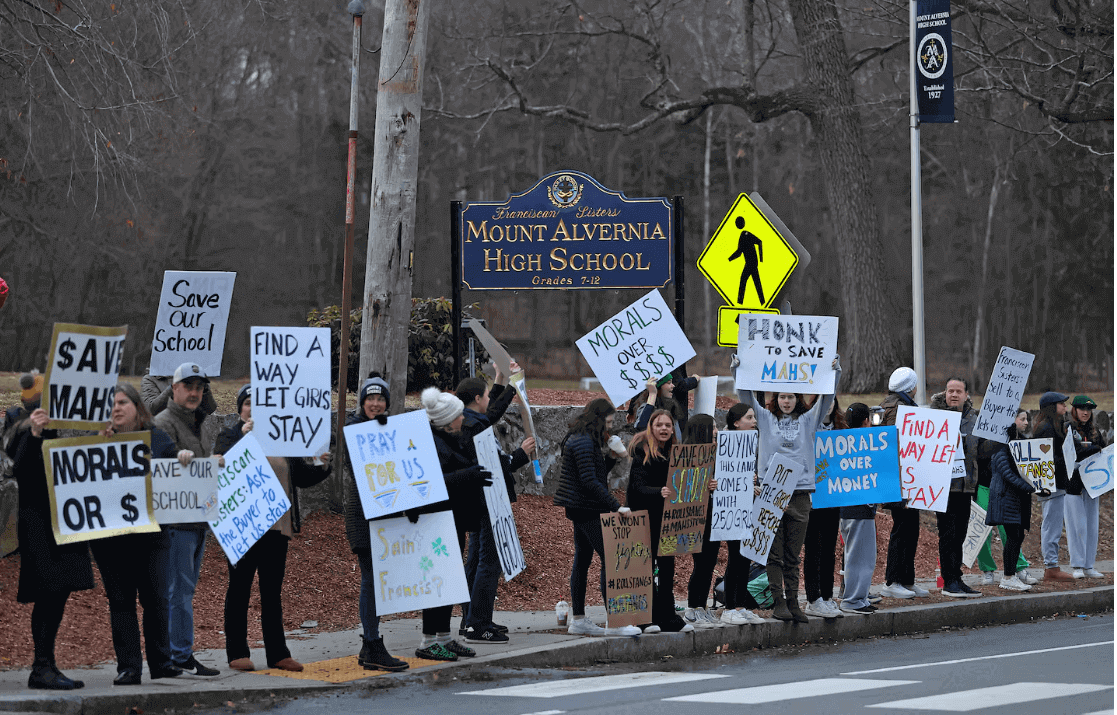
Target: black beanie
<point>243,394</point>
<point>374,385</point>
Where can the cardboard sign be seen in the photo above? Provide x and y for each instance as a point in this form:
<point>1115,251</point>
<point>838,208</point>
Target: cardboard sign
<point>1035,460</point>
<point>395,465</point>
<point>928,440</point>
<point>184,495</point>
<point>1002,397</point>
<point>684,512</point>
<point>291,397</point>
<point>496,351</point>
<point>787,353</point>
<point>857,466</point>
<point>735,470</point>
<point>99,486</point>
<point>705,396</point>
<point>1096,472</point>
<point>499,507</point>
<point>249,498</point>
<point>977,533</point>
<point>190,325</point>
<point>767,509</point>
<point>82,372</point>
<point>640,343</point>
<point>628,568</point>
<point>417,565</point>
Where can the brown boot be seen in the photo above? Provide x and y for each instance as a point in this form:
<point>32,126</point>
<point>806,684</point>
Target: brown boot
<point>792,600</point>
<point>779,608</point>
<point>1054,573</point>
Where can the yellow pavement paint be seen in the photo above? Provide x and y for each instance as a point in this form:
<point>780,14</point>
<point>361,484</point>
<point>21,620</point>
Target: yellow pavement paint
<point>343,670</point>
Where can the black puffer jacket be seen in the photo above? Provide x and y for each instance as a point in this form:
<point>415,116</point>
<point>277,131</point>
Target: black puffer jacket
<point>644,484</point>
<point>356,526</point>
<point>584,484</point>
<point>1010,495</point>
<point>968,484</point>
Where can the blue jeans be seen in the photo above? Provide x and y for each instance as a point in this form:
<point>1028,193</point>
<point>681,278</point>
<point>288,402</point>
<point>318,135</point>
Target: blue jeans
<point>370,622</point>
<point>483,573</point>
<point>187,546</point>
<point>1052,528</point>
<point>860,536</point>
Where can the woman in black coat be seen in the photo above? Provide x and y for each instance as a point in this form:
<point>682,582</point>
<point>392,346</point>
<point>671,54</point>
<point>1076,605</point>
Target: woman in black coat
<point>1010,505</point>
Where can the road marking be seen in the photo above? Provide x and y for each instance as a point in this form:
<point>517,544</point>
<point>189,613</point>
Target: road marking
<point>788,691</point>
<point>997,696</point>
<point>548,712</point>
<point>970,660</point>
<point>597,684</point>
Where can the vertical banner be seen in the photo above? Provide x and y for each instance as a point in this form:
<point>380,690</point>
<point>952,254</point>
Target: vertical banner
<point>291,397</point>
<point>735,470</point>
<point>190,325</point>
<point>628,568</point>
<point>857,466</point>
<point>934,65</point>
<point>1097,472</point>
<point>395,465</point>
<point>642,342</point>
<point>82,371</point>
<point>249,498</point>
<point>1003,395</point>
<point>184,495</point>
<point>787,353</point>
<point>976,535</point>
<point>1070,454</point>
<point>99,486</point>
<point>767,509</point>
<point>684,512</point>
<point>928,440</point>
<point>705,397</point>
<point>1035,460</point>
<point>499,507</point>
<point>417,565</point>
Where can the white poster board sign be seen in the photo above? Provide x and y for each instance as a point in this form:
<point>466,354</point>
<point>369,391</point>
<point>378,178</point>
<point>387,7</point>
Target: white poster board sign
<point>1097,472</point>
<point>734,470</point>
<point>395,465</point>
<point>1035,460</point>
<point>500,508</point>
<point>190,325</point>
<point>82,371</point>
<point>518,382</point>
<point>99,486</point>
<point>1070,454</point>
<point>417,565</point>
<point>705,396</point>
<point>787,353</point>
<point>767,509</point>
<point>184,495</point>
<point>640,343</point>
<point>291,397</point>
<point>249,498</point>
<point>977,533</point>
<point>928,441</point>
<point>1003,395</point>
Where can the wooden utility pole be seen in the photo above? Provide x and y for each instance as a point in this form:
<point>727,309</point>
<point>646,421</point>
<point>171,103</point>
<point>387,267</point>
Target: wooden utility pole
<point>391,228</point>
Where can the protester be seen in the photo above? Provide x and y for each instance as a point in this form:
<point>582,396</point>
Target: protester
<point>30,397</point>
<point>820,544</point>
<point>788,428</point>
<point>1010,506</point>
<point>1080,509</point>
<point>899,570</point>
<point>859,532</point>
<point>184,419</point>
<point>985,450</point>
<point>584,492</point>
<point>157,389</point>
<point>267,557</point>
<point>670,393</point>
<point>735,582</point>
<point>136,564</point>
<point>373,402</point>
<point>954,522</point>
<point>1051,424</point>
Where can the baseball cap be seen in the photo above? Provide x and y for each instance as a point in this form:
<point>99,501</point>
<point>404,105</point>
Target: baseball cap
<point>187,370</point>
<point>1083,401</point>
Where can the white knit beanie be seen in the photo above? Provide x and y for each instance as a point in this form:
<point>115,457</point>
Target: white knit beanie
<point>903,380</point>
<point>442,407</point>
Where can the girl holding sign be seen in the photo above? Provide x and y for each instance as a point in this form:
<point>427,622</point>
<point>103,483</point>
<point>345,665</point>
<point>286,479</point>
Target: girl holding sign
<point>1082,509</point>
<point>1051,422</point>
<point>1010,505</point>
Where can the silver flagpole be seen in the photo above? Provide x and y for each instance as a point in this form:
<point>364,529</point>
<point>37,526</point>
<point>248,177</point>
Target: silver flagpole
<point>920,356</point>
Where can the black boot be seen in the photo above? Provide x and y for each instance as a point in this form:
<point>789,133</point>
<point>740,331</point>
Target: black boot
<point>45,676</point>
<point>792,599</point>
<point>779,608</point>
<point>374,656</point>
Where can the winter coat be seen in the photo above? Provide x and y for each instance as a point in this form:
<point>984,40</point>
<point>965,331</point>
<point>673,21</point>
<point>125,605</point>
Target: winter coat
<point>1047,430</point>
<point>457,457</point>
<point>1010,500</point>
<point>156,393</point>
<point>645,482</point>
<point>356,526</point>
<point>967,484</point>
<point>1090,436</point>
<point>475,423</point>
<point>891,403</point>
<point>584,482</point>
<point>676,404</point>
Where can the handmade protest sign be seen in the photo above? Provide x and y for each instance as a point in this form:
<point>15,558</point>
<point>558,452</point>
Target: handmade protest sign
<point>250,498</point>
<point>977,533</point>
<point>1096,472</point>
<point>1035,460</point>
<point>684,512</point>
<point>82,371</point>
<point>628,568</point>
<point>1070,454</point>
<point>518,381</point>
<point>291,397</point>
<point>705,396</point>
<point>1003,395</point>
<point>857,466</point>
<point>496,351</point>
<point>190,325</point>
<point>640,343</point>
<point>787,353</point>
<point>734,470</point>
<point>184,495</point>
<point>417,565</point>
<point>928,440</point>
<point>500,508</point>
<point>99,486</point>
<point>395,465</point>
<point>768,508</point>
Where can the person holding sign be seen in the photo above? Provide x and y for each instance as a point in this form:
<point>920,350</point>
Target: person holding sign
<point>268,556</point>
<point>1082,509</point>
<point>156,392</point>
<point>739,417</point>
<point>858,526</point>
<point>819,545</point>
<point>1010,505</point>
<point>954,521</point>
<point>985,450</point>
<point>669,393</point>
<point>903,540</point>
<point>1051,423</point>
<point>48,571</point>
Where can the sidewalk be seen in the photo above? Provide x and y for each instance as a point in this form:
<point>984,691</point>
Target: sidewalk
<point>535,641</point>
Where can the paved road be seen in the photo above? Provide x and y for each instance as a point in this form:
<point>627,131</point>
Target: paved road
<point>1052,666</point>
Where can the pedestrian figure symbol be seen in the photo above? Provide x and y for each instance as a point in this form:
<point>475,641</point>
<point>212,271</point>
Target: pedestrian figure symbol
<point>751,250</point>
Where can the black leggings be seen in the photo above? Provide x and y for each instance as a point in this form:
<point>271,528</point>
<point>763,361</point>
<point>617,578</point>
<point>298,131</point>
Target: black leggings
<point>46,617</point>
<point>1014,537</point>
<point>818,559</point>
<point>698,587</point>
<point>587,541</point>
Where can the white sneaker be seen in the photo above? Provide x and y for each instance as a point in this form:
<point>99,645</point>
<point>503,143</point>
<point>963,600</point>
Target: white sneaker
<point>1026,577</point>
<point>1078,573</point>
<point>731,617</point>
<point>687,628</point>
<point>917,591</point>
<point>1011,583</point>
<point>895,590</point>
<point>752,617</point>
<point>691,616</point>
<point>623,631</point>
<point>1093,573</point>
<point>987,578</point>
<point>584,627</point>
<point>817,608</point>
<point>652,629</point>
<point>835,612</point>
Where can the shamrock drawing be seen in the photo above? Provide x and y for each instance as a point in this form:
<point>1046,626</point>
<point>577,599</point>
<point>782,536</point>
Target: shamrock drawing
<point>439,547</point>
<point>425,564</point>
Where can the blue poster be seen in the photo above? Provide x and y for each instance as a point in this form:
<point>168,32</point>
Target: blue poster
<point>934,79</point>
<point>856,466</point>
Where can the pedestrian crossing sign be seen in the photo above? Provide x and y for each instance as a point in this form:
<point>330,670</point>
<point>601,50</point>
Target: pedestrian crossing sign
<point>729,325</point>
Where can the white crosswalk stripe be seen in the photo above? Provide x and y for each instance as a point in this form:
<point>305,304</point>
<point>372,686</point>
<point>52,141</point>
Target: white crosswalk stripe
<point>597,684</point>
<point>996,656</point>
<point>788,691</point>
<point>995,696</point>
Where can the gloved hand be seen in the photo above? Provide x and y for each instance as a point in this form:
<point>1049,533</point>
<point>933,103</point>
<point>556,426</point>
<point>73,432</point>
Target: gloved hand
<point>478,475</point>
<point>734,362</point>
<point>623,510</point>
<point>382,419</point>
<point>836,364</point>
<point>412,515</point>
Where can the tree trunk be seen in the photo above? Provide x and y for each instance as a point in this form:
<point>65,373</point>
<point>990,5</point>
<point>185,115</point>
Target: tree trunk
<point>395,168</point>
<point>871,348</point>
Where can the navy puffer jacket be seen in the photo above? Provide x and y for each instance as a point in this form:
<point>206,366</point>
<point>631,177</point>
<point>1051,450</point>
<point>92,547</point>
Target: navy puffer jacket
<point>584,484</point>
<point>1010,495</point>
